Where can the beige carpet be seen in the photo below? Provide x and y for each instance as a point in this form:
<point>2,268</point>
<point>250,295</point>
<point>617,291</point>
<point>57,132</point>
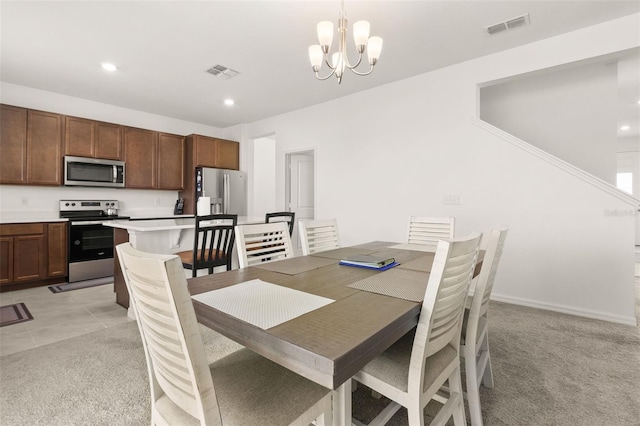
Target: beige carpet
<point>549,368</point>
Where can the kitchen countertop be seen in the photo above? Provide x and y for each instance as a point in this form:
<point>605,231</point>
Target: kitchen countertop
<point>30,218</point>
<point>155,225</point>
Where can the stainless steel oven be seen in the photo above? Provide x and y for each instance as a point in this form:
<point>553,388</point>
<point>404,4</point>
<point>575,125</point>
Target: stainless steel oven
<point>90,242</point>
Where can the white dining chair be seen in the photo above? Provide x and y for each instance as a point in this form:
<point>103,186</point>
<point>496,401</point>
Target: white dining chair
<point>412,370</point>
<point>475,334</point>
<point>318,235</point>
<point>242,388</point>
<point>263,242</point>
<point>430,230</point>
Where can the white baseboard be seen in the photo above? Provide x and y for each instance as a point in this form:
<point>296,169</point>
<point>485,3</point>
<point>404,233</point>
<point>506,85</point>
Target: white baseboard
<point>566,310</point>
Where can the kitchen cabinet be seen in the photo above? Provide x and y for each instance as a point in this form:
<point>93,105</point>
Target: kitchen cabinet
<point>31,147</point>
<point>214,152</point>
<point>57,256</point>
<point>153,160</point>
<point>170,162</point>
<point>140,158</point>
<point>32,252</point>
<point>93,139</point>
<point>13,145</point>
<point>23,253</point>
<point>44,148</point>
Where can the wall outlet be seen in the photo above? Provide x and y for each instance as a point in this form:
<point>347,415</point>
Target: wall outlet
<point>157,201</point>
<point>25,201</point>
<point>451,199</point>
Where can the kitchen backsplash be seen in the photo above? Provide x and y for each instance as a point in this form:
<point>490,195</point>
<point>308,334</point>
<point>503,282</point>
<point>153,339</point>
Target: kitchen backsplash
<point>37,201</point>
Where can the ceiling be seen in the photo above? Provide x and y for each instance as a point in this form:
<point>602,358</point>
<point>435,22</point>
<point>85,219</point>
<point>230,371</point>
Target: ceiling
<point>162,48</point>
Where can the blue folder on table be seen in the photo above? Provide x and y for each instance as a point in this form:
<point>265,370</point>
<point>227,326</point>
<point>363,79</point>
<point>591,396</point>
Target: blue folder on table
<point>384,268</point>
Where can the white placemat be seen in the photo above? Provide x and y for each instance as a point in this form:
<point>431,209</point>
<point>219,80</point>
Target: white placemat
<point>399,283</point>
<point>416,247</point>
<point>262,304</point>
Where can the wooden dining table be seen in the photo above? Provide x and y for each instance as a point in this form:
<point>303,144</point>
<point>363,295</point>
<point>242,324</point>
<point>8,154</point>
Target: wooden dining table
<point>328,344</point>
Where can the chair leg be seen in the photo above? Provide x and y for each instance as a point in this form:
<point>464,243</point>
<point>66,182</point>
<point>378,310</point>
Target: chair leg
<point>487,375</point>
<point>455,385</point>
<point>416,415</point>
<point>473,395</point>
<point>194,272</point>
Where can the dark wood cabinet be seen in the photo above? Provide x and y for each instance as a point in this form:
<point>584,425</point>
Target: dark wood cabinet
<point>13,145</point>
<point>32,252</point>
<point>79,138</point>
<point>227,154</point>
<point>28,258</point>
<point>6,260</point>
<point>108,141</point>
<point>170,162</point>
<point>93,139</point>
<point>119,285</point>
<point>57,263</point>
<point>23,253</point>
<point>214,152</point>
<point>140,158</point>
<point>33,143</point>
<point>153,160</point>
<point>44,148</point>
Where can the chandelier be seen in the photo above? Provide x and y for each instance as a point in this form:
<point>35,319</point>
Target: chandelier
<point>319,53</point>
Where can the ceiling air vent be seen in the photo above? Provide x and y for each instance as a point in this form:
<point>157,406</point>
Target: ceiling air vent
<point>510,24</point>
<point>222,72</point>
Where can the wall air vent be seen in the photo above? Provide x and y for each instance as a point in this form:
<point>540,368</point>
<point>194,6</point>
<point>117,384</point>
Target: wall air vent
<point>510,24</point>
<point>221,71</point>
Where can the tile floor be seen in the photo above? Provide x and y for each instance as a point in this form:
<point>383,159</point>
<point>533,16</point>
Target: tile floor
<point>59,316</point>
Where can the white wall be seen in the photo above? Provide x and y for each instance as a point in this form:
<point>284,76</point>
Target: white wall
<point>263,177</point>
<point>42,201</point>
<point>570,113</point>
<point>395,151</point>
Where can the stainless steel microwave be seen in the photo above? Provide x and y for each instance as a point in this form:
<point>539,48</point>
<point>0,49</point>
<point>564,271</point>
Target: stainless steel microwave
<point>81,171</point>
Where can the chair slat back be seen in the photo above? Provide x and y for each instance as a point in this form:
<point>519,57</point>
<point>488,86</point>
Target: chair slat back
<point>288,217</point>
<point>440,319</point>
<point>169,330</point>
<point>214,240</point>
<point>263,243</point>
<point>318,235</point>
<point>430,230</point>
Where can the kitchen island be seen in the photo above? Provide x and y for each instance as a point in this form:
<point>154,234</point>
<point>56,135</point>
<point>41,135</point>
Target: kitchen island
<point>165,236</point>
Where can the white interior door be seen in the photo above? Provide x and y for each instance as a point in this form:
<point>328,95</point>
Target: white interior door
<point>301,188</point>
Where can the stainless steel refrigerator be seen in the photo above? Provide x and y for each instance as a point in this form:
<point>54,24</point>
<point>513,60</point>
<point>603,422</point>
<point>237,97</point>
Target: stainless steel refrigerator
<point>226,190</point>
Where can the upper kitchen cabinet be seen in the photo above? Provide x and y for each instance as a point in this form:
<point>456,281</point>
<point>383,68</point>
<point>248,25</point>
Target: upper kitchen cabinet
<point>31,147</point>
<point>212,152</point>
<point>153,160</point>
<point>13,145</point>
<point>170,161</point>
<point>140,158</point>
<point>44,148</point>
<point>93,139</point>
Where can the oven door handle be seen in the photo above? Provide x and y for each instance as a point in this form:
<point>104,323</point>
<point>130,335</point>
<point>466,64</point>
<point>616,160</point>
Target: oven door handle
<point>88,222</point>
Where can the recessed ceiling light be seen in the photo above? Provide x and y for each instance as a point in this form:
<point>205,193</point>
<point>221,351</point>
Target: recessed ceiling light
<point>625,127</point>
<point>229,102</point>
<point>109,67</point>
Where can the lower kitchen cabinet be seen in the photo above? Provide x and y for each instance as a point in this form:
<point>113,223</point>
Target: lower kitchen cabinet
<point>32,252</point>
<point>57,256</point>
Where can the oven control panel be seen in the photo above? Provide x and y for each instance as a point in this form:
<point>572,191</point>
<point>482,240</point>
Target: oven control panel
<point>87,205</point>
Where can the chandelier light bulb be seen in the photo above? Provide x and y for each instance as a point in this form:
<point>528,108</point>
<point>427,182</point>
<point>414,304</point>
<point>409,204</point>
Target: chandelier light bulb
<point>325,34</point>
<point>361,34</point>
<point>374,48</point>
